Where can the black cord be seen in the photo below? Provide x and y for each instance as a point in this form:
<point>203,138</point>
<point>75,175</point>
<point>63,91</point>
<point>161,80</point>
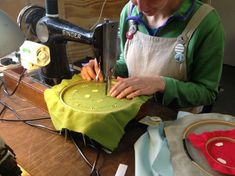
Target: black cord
<point>94,171</point>
<point>17,84</point>
<point>3,109</point>
<point>19,119</point>
<point>26,121</point>
<point>5,106</point>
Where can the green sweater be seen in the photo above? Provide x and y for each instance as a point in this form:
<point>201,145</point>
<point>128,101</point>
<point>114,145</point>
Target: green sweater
<point>204,56</point>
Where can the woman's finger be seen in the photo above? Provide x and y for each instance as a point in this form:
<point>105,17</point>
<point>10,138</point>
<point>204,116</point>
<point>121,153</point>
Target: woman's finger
<point>85,74</point>
<point>90,72</point>
<point>134,94</point>
<point>117,89</point>
<point>126,92</point>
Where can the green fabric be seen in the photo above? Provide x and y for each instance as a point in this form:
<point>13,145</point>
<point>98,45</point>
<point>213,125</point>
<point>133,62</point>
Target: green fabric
<point>82,106</point>
<point>204,57</point>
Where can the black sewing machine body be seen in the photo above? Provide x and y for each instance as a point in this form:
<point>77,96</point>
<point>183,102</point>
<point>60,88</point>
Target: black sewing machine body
<point>46,26</point>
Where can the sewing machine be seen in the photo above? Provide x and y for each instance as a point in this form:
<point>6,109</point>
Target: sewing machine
<point>45,26</point>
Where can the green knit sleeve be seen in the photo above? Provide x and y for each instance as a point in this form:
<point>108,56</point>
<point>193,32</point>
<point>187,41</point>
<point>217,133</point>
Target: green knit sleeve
<point>204,67</point>
<point>121,69</point>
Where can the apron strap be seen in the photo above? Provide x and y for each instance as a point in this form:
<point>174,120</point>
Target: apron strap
<point>187,34</point>
<point>196,20</point>
<point>130,6</point>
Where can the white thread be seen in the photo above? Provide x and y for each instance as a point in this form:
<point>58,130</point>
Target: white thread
<point>221,160</point>
<point>219,144</point>
<point>101,12</point>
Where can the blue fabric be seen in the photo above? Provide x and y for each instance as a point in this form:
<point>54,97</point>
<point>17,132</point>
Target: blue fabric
<point>152,156</point>
<point>162,163</point>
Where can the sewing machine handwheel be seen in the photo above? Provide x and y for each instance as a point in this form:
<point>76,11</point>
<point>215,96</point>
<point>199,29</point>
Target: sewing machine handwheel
<point>27,20</point>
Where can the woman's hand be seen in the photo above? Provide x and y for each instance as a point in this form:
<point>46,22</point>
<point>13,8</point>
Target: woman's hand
<point>136,86</point>
<point>91,71</point>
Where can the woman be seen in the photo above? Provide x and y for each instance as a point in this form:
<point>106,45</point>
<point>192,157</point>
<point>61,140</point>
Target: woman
<point>170,48</point>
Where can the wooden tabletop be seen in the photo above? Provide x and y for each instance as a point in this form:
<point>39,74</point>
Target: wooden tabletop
<point>42,153</point>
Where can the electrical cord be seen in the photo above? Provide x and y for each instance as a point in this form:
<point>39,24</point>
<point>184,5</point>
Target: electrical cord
<point>19,119</point>
<point>17,84</point>
<point>5,106</point>
<point>3,109</point>
<point>94,171</point>
<point>26,121</point>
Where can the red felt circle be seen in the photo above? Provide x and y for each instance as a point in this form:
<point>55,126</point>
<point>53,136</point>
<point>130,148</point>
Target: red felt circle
<point>224,150</point>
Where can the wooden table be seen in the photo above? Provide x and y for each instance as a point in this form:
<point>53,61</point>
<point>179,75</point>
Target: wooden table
<point>42,153</point>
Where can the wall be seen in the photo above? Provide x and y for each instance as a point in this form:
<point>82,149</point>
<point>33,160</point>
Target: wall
<point>84,13</point>
<point>226,10</point>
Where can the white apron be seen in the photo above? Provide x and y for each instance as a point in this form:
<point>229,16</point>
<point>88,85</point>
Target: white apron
<point>147,55</point>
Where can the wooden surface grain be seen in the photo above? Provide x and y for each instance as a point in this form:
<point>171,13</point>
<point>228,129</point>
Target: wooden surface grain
<point>47,154</point>
<point>42,153</point>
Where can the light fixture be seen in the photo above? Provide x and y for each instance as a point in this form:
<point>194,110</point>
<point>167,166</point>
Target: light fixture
<point>11,37</point>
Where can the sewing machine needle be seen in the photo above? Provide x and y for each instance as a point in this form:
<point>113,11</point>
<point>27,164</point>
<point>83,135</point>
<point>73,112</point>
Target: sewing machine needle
<point>106,88</point>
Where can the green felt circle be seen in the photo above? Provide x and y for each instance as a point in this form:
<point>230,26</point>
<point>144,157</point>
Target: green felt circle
<point>90,96</point>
